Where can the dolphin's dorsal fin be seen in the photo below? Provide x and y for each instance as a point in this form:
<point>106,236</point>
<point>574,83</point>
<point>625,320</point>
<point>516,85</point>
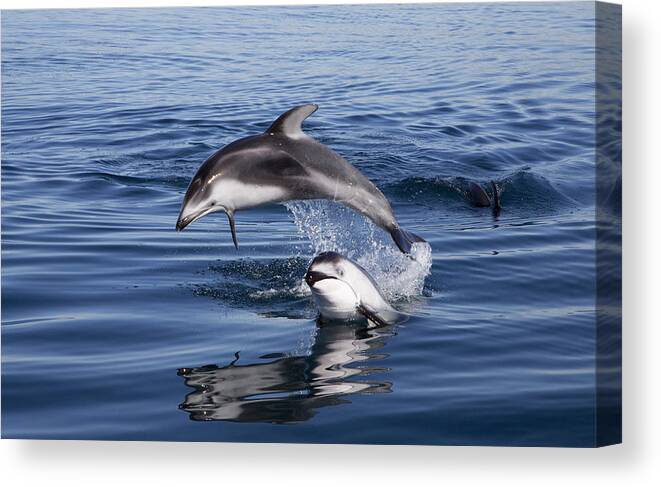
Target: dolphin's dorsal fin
<point>289,123</point>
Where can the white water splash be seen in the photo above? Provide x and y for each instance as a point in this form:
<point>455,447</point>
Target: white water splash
<point>298,291</point>
<point>330,226</point>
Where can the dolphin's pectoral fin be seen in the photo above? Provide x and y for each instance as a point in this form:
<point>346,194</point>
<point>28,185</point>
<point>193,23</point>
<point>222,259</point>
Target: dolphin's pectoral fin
<point>230,217</point>
<point>383,317</point>
<point>371,315</point>
<point>289,123</point>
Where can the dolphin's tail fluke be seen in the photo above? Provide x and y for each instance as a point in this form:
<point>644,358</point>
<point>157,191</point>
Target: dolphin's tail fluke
<point>404,239</point>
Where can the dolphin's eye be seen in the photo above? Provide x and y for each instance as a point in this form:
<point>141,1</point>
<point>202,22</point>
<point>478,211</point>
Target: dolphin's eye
<point>213,203</point>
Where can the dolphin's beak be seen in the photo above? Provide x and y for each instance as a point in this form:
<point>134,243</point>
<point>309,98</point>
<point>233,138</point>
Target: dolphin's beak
<point>184,220</point>
<point>313,277</point>
<point>182,223</point>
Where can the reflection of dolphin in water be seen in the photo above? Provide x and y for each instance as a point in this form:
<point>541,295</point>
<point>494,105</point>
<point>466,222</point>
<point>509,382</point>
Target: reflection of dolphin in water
<point>284,164</point>
<point>289,388</point>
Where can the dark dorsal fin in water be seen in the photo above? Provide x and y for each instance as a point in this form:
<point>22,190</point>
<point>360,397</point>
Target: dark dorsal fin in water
<point>289,123</point>
<point>478,196</point>
<point>496,196</point>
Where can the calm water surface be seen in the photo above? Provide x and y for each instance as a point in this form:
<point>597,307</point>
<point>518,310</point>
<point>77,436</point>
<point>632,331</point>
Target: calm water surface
<point>114,326</point>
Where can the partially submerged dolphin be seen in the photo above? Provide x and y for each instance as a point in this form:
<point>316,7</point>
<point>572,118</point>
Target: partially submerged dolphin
<point>480,198</point>
<point>343,290</point>
<point>284,164</point>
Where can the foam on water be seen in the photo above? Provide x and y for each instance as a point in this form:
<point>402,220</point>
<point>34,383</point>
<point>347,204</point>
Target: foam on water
<point>298,290</point>
<point>330,226</point>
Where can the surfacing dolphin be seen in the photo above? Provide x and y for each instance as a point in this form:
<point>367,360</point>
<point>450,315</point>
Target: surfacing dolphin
<point>343,290</point>
<point>480,198</point>
<point>284,164</point>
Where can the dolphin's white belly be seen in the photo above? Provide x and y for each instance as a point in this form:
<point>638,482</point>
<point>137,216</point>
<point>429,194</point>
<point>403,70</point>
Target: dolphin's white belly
<point>335,299</point>
<point>240,195</point>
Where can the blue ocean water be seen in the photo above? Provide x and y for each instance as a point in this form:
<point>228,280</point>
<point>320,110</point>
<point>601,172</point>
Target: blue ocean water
<point>114,326</point>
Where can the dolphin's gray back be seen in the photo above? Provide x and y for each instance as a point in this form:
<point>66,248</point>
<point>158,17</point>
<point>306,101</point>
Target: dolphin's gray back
<point>315,171</point>
<point>333,178</point>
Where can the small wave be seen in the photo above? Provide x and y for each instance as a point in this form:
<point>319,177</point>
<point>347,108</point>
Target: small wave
<point>527,190</point>
<point>268,287</point>
<point>330,226</point>
<point>520,191</point>
<point>149,183</point>
<point>298,290</point>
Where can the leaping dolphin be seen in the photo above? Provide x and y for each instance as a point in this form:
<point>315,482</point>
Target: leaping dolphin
<point>343,290</point>
<point>284,164</point>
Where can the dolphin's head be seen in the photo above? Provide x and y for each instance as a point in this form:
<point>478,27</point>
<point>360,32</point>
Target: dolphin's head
<point>202,198</point>
<point>327,265</point>
<point>332,279</point>
<point>208,193</point>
